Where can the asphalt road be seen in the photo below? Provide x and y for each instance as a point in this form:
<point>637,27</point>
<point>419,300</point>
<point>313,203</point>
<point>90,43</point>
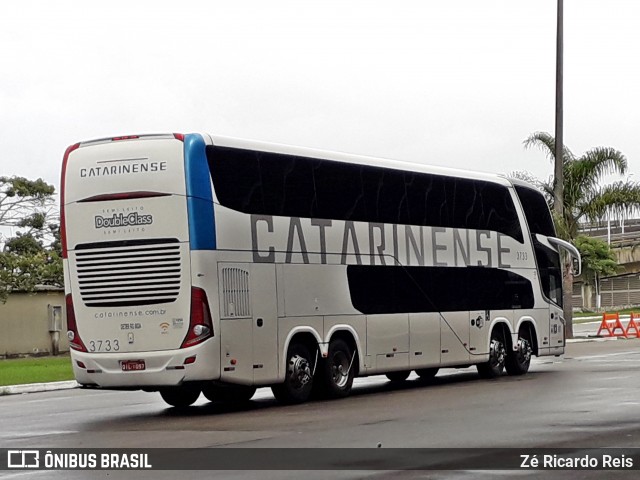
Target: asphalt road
<point>588,399</point>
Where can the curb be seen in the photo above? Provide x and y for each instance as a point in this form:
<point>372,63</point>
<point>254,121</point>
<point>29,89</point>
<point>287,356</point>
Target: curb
<point>37,387</point>
<point>590,339</point>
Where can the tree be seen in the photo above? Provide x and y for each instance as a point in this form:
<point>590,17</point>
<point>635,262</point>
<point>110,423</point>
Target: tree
<point>27,205</point>
<point>32,257</point>
<point>598,260</point>
<point>585,197</point>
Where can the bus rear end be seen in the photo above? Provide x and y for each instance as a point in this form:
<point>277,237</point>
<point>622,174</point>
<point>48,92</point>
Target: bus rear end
<point>135,319</point>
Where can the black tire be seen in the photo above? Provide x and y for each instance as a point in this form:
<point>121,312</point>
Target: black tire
<point>518,361</point>
<point>228,393</point>
<point>427,373</point>
<point>337,370</point>
<point>180,397</point>
<point>400,376</point>
<point>298,381</point>
<point>497,355</point>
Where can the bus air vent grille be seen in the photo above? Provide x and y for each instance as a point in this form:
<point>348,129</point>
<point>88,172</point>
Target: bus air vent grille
<point>128,273</point>
<point>235,293</point>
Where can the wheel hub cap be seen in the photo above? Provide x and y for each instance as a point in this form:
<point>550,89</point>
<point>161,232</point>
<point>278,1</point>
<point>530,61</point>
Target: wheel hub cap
<point>299,370</point>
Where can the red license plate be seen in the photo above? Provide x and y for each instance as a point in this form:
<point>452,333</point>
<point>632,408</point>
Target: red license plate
<point>132,365</point>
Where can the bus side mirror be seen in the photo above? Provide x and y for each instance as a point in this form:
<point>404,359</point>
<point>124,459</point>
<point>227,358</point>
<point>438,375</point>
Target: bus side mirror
<point>576,260</point>
<point>576,266</point>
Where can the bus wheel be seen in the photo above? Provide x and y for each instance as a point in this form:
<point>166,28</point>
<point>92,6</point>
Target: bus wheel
<point>181,396</point>
<point>427,373</point>
<point>518,361</point>
<point>497,354</point>
<point>298,378</point>
<point>229,394</point>
<point>338,369</point>
<point>398,376</point>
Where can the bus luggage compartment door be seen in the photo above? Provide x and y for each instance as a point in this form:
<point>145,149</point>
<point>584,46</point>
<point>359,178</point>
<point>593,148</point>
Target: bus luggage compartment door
<point>264,304</point>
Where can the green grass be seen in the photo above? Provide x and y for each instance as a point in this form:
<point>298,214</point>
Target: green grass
<point>35,370</point>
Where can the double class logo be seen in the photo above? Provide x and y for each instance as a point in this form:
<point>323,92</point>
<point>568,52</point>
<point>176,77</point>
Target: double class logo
<point>123,220</point>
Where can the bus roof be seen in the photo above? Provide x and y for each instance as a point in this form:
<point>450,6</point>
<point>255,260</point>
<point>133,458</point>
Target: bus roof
<point>231,142</point>
<point>245,144</point>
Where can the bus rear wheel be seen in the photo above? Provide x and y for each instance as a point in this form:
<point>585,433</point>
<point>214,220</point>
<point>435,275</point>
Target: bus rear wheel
<point>180,397</point>
<point>338,370</point>
<point>518,361</point>
<point>497,355</point>
<point>400,376</point>
<point>228,393</point>
<point>298,380</point>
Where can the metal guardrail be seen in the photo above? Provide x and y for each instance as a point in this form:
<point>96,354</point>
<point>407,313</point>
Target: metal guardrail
<point>618,235</point>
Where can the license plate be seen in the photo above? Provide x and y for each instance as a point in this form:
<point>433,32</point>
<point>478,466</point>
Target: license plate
<point>132,365</point>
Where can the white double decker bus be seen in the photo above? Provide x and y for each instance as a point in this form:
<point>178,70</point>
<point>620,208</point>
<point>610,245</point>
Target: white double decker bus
<point>196,264</point>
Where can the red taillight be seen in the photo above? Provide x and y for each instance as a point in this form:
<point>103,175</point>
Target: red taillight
<point>75,341</point>
<point>63,227</point>
<point>179,136</point>
<point>200,325</point>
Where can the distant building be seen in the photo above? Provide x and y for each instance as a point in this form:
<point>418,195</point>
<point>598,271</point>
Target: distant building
<point>34,323</point>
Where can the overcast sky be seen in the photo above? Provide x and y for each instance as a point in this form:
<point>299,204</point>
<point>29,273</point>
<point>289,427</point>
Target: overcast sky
<point>458,82</point>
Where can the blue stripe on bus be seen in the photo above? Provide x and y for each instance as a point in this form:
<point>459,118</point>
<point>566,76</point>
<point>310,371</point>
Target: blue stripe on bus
<point>202,233</point>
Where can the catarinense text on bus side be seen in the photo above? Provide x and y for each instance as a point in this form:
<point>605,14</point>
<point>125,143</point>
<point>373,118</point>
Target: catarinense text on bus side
<point>312,240</point>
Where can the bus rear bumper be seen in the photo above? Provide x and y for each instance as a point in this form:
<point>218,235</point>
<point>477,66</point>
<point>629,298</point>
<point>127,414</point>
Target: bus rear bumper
<point>162,368</point>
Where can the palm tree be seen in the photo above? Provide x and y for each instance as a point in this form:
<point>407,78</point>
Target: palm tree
<point>585,196</point>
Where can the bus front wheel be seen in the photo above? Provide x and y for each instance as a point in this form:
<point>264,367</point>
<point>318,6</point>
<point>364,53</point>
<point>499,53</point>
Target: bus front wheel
<point>400,376</point>
<point>497,355</point>
<point>298,377</point>
<point>180,397</point>
<point>427,373</point>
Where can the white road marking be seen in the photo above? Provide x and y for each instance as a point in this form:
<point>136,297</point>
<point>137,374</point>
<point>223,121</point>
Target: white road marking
<point>17,435</point>
<point>19,474</point>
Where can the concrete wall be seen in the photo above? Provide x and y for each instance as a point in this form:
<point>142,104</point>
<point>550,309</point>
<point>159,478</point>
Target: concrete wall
<point>24,323</point>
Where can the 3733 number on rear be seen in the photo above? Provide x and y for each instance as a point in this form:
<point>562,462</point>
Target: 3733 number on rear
<point>111,345</point>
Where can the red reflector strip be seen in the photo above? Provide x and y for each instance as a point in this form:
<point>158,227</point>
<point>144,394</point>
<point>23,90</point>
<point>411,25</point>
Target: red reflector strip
<point>125,137</point>
<point>123,196</point>
<point>63,226</point>
<point>190,360</point>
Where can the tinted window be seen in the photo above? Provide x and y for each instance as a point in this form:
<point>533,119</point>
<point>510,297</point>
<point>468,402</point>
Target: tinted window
<point>550,272</point>
<point>536,211</point>
<point>378,289</point>
<point>276,184</point>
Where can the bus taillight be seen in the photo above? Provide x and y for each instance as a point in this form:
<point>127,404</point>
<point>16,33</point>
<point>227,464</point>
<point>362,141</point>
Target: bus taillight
<point>200,325</point>
<point>75,341</point>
